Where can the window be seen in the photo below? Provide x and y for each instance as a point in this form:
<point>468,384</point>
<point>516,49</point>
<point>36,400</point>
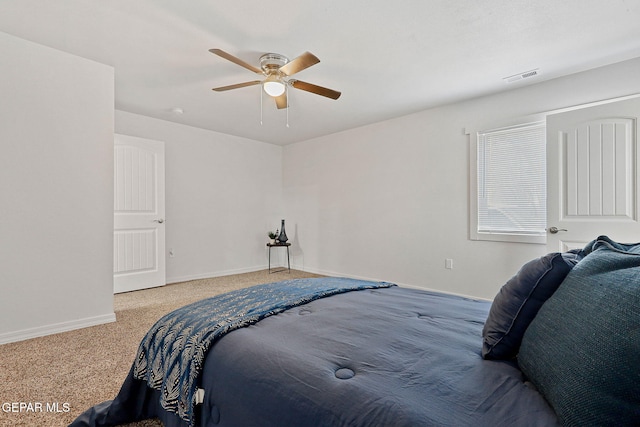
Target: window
<point>510,191</point>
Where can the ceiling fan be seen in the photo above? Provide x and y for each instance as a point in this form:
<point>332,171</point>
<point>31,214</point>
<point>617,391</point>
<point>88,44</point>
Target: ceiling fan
<point>277,70</point>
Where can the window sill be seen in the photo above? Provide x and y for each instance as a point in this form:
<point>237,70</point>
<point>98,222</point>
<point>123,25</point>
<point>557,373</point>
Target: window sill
<point>509,238</point>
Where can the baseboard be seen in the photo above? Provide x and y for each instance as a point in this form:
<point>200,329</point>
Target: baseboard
<point>373,279</point>
<point>56,328</point>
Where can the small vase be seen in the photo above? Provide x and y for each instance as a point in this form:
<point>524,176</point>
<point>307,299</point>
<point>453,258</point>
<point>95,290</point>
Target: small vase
<point>282,238</point>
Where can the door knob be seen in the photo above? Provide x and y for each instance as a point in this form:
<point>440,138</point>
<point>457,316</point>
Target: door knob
<point>554,230</point>
<point>159,221</point>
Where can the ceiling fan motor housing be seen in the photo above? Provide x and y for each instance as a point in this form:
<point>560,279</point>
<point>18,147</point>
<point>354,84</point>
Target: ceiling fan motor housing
<point>271,62</point>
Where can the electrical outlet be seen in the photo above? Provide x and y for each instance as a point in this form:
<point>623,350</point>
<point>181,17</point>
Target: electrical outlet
<point>448,263</point>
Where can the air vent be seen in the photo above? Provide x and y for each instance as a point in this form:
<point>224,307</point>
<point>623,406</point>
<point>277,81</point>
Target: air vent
<point>522,76</point>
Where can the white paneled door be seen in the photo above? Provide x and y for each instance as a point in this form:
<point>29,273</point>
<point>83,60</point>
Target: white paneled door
<point>139,227</point>
<point>593,180</point>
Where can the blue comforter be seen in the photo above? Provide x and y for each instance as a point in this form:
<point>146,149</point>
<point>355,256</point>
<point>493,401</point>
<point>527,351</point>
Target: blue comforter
<point>376,357</point>
<point>393,357</point>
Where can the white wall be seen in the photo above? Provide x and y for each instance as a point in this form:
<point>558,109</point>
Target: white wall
<point>56,187</point>
<point>223,194</point>
<point>389,201</point>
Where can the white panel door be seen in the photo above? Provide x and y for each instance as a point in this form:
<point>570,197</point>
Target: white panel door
<point>592,175</point>
<point>139,228</point>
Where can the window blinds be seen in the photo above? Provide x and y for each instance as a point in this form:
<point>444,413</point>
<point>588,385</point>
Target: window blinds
<point>512,180</point>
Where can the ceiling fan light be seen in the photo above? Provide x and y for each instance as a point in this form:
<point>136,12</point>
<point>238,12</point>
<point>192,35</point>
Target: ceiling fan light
<point>273,87</point>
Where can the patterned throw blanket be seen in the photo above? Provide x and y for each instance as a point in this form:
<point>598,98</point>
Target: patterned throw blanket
<point>171,356</point>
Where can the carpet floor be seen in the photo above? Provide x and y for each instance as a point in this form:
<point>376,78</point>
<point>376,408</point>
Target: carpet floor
<point>62,375</point>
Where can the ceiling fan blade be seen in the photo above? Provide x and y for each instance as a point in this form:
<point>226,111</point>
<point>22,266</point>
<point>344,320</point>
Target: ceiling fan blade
<point>281,101</point>
<point>318,90</point>
<point>236,86</point>
<point>303,61</point>
<point>221,53</point>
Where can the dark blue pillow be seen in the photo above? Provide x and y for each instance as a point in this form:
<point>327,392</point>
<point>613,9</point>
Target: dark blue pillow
<point>582,351</point>
<point>519,300</point>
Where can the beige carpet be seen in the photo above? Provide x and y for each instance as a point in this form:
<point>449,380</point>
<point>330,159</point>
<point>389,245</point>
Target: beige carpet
<point>69,372</point>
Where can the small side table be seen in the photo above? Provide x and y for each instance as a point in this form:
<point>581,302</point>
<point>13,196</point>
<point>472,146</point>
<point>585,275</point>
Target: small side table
<point>279,245</point>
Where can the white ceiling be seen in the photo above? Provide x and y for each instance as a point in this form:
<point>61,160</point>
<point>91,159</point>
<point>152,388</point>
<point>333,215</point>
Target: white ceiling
<point>387,58</point>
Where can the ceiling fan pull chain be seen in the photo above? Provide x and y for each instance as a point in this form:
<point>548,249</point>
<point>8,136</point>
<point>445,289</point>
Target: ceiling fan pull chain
<point>261,107</point>
<point>287,92</point>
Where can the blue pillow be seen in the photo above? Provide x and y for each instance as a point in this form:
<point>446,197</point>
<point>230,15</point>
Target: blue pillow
<point>582,350</point>
<point>606,241</point>
<point>519,300</point>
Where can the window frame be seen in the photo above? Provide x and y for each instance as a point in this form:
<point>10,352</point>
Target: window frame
<point>474,234</point>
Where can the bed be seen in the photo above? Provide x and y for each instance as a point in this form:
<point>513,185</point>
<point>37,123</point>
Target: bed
<point>559,345</point>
